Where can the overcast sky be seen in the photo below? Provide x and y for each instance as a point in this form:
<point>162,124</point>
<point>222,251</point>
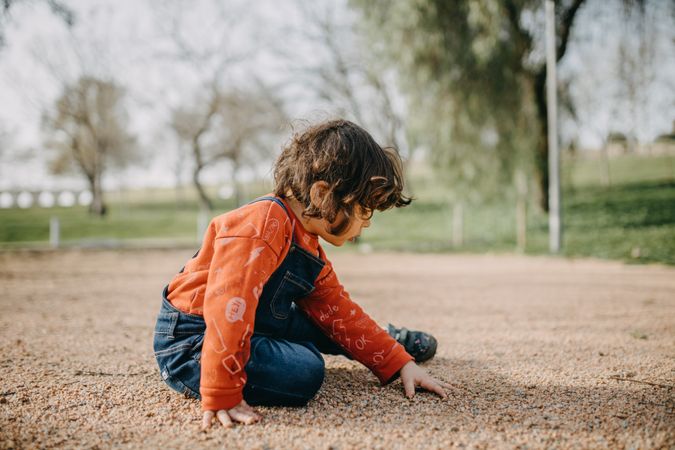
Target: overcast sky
<point>130,41</point>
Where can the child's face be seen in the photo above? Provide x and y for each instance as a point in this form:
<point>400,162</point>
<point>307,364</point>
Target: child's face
<point>360,221</point>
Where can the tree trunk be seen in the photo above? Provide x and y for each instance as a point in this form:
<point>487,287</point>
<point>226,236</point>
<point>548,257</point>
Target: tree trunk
<point>97,205</point>
<point>204,200</point>
<point>541,157</point>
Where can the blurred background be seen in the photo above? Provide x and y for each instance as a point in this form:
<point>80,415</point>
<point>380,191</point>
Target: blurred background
<point>132,123</point>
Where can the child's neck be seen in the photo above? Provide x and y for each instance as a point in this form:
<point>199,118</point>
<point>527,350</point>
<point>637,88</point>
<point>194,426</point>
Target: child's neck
<point>308,223</point>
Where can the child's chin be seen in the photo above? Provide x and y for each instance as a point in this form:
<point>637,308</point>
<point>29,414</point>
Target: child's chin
<point>338,242</point>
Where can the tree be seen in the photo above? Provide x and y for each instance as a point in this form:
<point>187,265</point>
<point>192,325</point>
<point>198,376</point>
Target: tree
<point>57,8</point>
<point>640,67</point>
<point>88,131</point>
<point>481,59</point>
<point>237,126</point>
<point>344,71</point>
<point>205,53</point>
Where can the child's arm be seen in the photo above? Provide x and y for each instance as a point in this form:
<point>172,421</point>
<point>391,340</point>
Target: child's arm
<point>244,255</point>
<point>331,308</point>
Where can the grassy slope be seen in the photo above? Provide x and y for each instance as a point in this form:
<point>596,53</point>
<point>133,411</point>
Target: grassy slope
<point>634,219</point>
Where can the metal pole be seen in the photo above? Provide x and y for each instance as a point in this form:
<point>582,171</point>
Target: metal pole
<point>554,213</point>
<point>54,232</point>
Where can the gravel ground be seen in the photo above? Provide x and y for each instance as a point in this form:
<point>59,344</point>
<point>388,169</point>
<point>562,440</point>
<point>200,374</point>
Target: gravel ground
<point>545,353</point>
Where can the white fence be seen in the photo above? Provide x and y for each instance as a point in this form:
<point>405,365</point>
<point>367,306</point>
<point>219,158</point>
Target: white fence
<point>25,199</point>
<point>44,199</point>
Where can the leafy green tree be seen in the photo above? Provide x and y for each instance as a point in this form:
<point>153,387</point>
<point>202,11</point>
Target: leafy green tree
<point>477,73</point>
<point>89,133</point>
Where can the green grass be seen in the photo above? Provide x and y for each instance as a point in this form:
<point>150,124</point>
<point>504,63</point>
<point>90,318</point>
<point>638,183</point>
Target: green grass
<point>632,222</point>
<point>633,219</point>
<point>425,226</point>
<point>158,220</point>
<point>627,169</point>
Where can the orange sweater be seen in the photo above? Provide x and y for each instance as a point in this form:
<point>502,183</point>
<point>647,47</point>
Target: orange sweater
<point>223,282</point>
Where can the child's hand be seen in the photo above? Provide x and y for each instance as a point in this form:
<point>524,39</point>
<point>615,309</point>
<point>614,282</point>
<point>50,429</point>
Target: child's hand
<point>413,375</point>
<point>240,413</point>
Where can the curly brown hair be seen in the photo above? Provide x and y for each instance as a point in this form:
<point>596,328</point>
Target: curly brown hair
<point>356,169</point>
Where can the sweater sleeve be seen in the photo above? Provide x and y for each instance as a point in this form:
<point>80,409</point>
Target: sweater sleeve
<point>240,266</point>
<point>332,309</point>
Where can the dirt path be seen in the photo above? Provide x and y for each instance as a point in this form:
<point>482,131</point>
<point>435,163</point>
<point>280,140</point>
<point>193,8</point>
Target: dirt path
<point>546,353</point>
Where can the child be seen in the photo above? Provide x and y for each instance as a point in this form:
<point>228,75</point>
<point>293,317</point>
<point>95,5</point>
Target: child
<point>247,318</point>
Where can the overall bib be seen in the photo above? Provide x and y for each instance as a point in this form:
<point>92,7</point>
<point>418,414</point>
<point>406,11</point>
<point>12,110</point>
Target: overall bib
<point>285,367</point>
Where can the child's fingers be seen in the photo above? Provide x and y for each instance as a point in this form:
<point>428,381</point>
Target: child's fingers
<point>224,418</point>
<point>245,406</point>
<point>447,386</point>
<point>257,416</point>
<point>409,387</point>
<point>457,388</point>
<point>206,419</point>
<point>251,412</point>
<point>243,416</point>
<point>432,386</point>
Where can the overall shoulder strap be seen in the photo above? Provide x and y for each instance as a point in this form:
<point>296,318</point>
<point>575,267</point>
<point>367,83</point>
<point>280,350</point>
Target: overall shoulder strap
<point>272,199</point>
<point>280,203</point>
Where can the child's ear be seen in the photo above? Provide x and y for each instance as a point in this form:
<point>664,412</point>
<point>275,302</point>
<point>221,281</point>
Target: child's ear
<point>317,193</point>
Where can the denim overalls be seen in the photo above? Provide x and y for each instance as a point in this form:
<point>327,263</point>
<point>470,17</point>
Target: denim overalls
<point>285,367</point>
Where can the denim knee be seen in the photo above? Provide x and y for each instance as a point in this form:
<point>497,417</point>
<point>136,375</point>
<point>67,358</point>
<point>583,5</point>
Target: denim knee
<point>283,373</point>
<point>312,376</point>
